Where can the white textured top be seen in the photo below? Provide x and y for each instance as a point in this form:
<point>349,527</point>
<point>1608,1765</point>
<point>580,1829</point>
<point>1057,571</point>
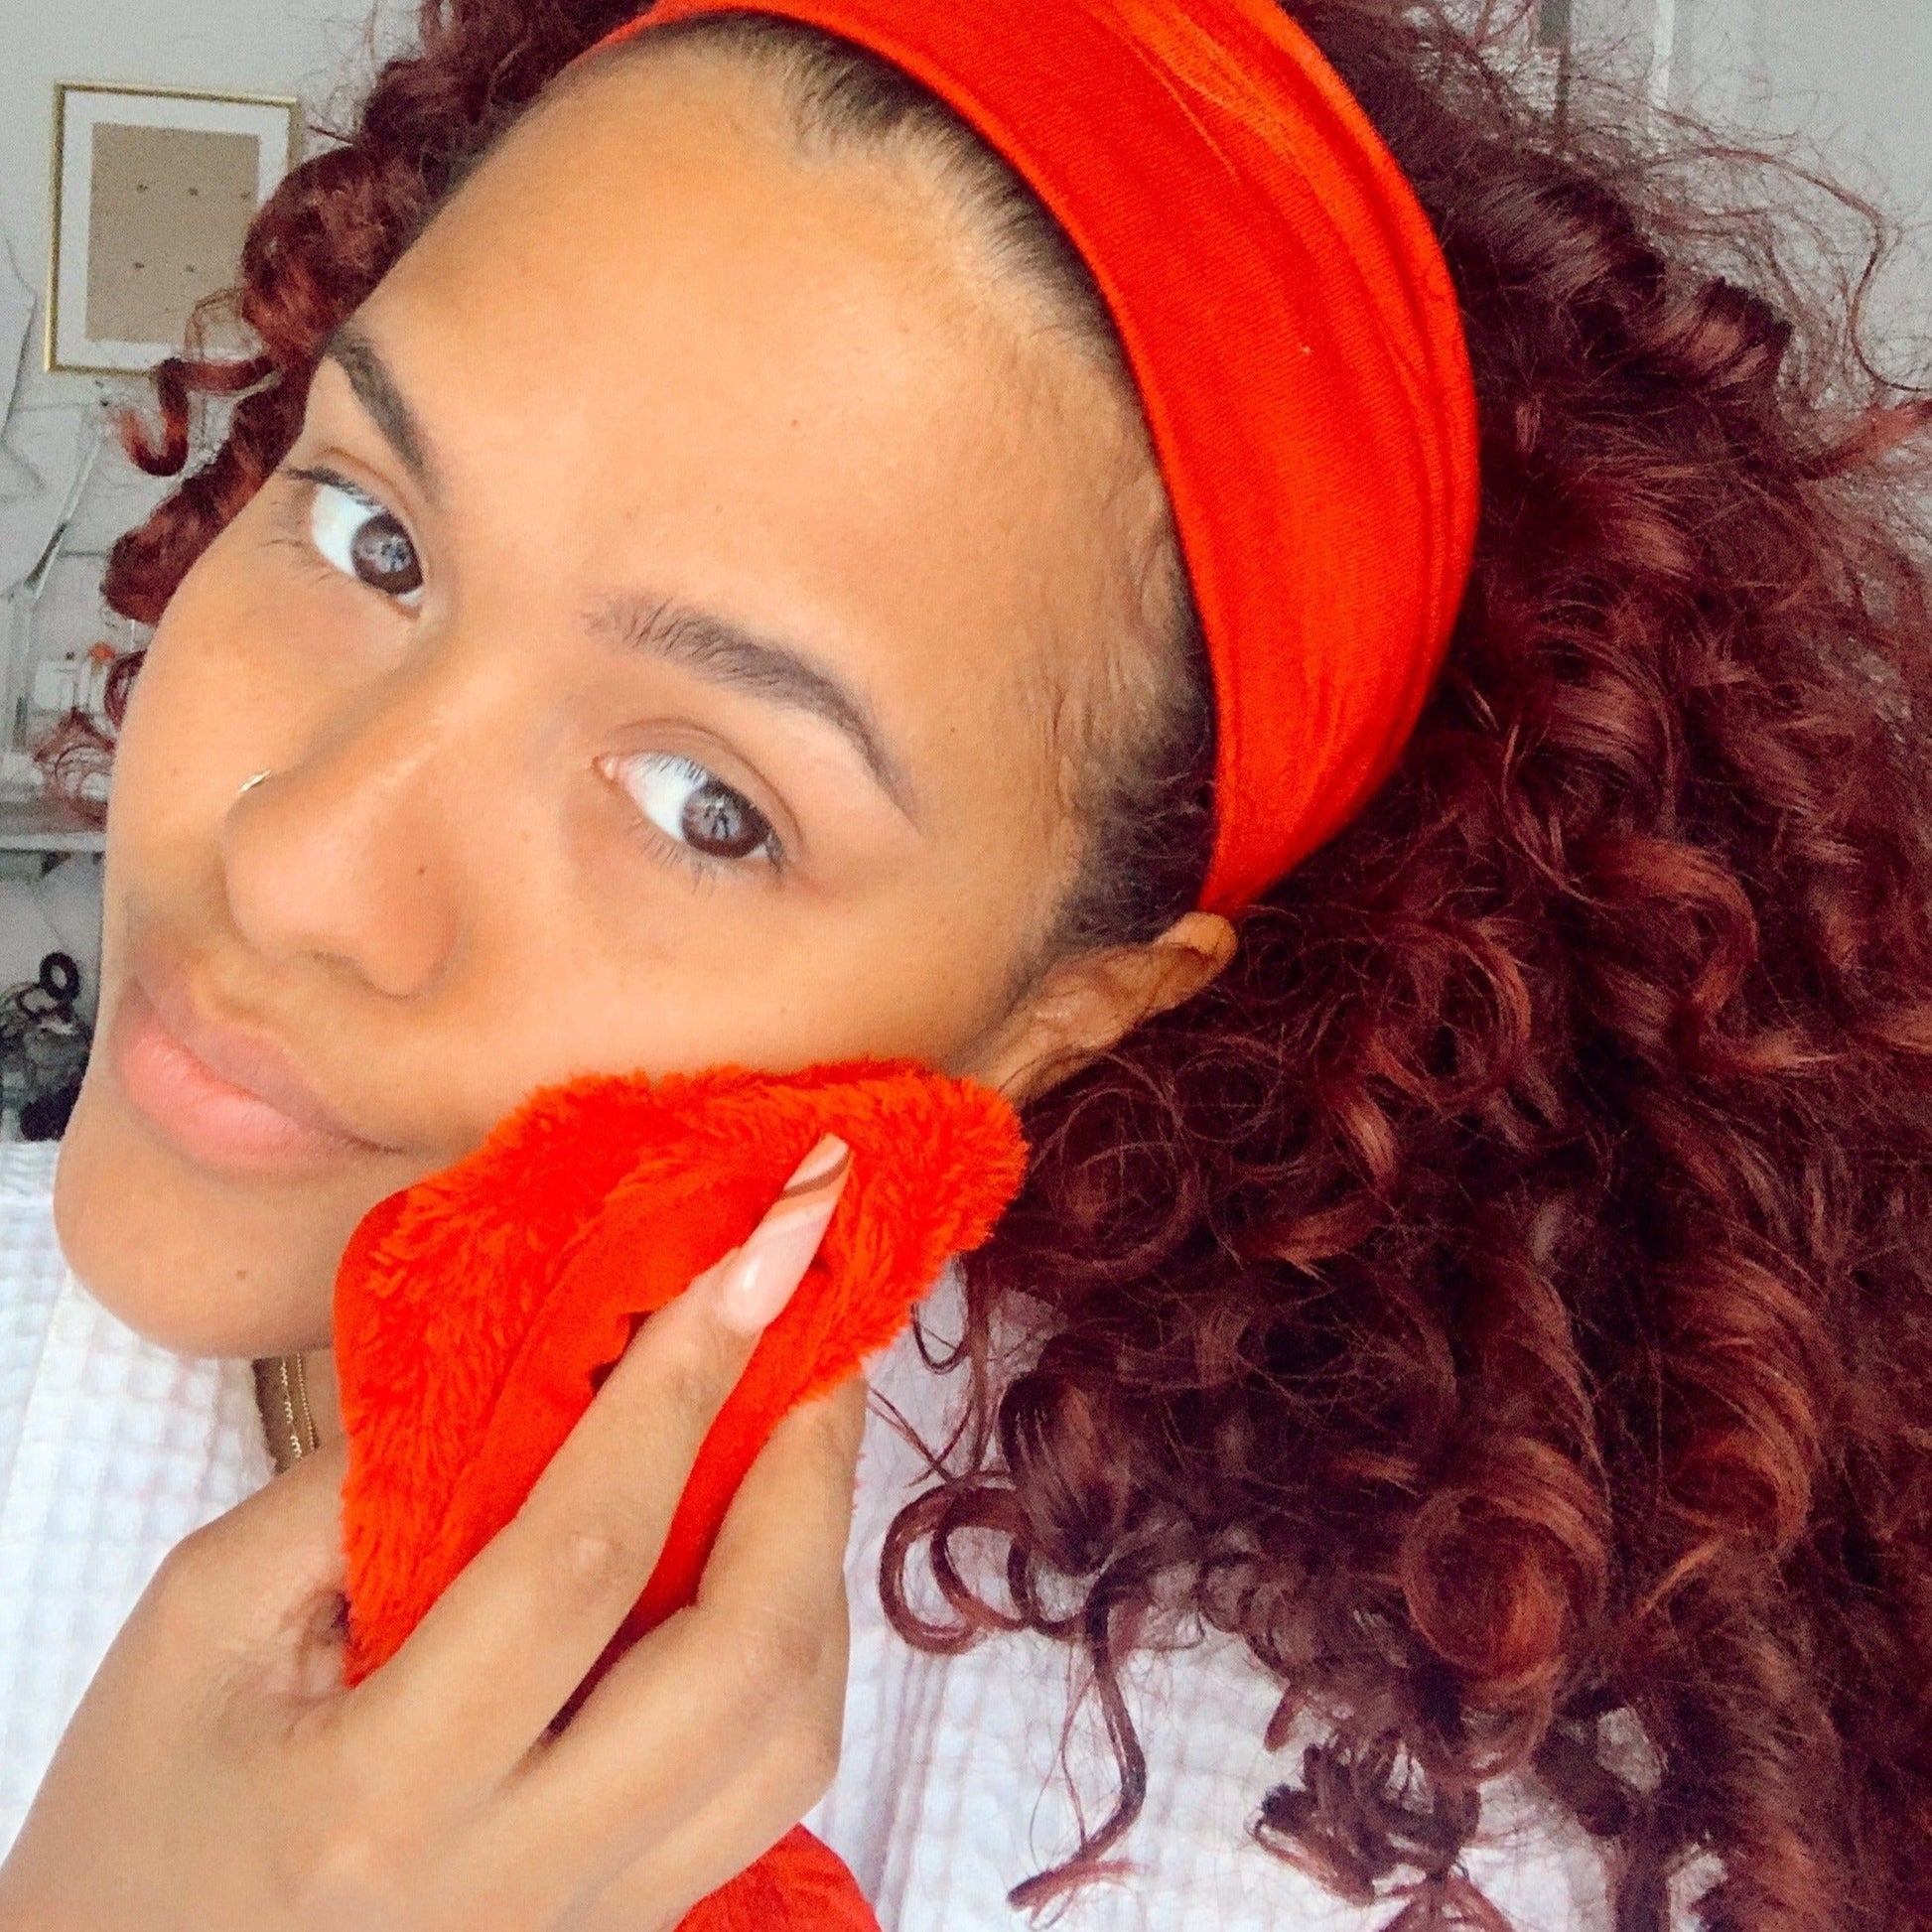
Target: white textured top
<point>949,1791</point>
<point>111,1450</point>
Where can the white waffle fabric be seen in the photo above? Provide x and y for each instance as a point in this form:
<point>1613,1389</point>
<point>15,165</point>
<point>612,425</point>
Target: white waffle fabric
<point>951,1787</point>
<point>111,1450</point>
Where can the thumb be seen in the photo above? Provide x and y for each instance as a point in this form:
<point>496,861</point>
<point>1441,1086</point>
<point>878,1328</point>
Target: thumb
<point>264,1582</point>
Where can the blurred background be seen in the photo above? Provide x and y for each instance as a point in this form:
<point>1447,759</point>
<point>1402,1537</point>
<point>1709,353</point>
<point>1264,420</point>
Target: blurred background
<point>1843,84</point>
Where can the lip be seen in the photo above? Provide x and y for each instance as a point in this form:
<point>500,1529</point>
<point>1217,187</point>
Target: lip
<point>228,1098</point>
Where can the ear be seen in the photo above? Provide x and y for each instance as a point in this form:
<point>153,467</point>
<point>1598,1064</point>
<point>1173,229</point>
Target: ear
<point>1082,1006</point>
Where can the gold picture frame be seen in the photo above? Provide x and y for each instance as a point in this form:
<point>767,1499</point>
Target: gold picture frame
<point>125,270</point>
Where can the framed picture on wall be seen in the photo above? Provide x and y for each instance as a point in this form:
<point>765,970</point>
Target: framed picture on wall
<point>154,189</point>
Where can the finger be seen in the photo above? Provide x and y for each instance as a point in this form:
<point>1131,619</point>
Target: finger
<point>753,1673</point>
<point>738,1825</point>
<point>751,1811</point>
<point>513,1637</point>
<point>809,1464</point>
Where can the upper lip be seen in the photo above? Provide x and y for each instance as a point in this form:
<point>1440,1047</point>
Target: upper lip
<point>240,1052</point>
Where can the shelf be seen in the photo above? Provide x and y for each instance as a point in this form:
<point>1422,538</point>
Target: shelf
<point>44,825</point>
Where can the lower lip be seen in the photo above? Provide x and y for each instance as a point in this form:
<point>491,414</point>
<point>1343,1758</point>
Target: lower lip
<point>207,1118</point>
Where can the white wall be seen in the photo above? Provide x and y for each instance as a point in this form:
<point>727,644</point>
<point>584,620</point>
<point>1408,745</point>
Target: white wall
<point>1856,70</point>
<point>1852,80</point>
<point>1861,70</point>
<point>272,47</point>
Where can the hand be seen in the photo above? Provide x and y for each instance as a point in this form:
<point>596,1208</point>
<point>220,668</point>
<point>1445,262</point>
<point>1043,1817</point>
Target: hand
<point>219,1776</point>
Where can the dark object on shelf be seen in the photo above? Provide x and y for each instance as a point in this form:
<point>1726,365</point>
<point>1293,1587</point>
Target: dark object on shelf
<point>46,1119</point>
<point>43,1048</point>
<point>59,980</point>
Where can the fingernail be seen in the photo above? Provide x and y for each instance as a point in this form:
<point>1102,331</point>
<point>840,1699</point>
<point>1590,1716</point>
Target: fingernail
<point>761,1278</point>
<point>821,1167</point>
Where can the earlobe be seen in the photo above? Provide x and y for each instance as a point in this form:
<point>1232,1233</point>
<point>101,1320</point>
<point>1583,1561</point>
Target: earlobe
<point>1083,1005</point>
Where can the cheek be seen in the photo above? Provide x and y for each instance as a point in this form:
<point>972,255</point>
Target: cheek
<point>186,1261</point>
<point>196,1267</point>
<point>214,697</point>
<point>227,690</point>
<point>188,725</point>
<point>178,747</point>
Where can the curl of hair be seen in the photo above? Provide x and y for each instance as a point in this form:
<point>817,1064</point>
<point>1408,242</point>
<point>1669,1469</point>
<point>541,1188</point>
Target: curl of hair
<point>1506,1297</point>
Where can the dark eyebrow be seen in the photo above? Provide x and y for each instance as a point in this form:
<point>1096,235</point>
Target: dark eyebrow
<point>726,653</point>
<point>375,388</point>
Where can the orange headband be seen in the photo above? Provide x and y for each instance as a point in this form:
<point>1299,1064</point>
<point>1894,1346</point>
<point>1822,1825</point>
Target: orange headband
<point>1296,339</point>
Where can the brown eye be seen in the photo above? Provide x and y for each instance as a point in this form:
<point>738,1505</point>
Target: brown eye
<point>722,823</point>
<point>696,807</point>
<point>384,557</point>
<point>363,540</point>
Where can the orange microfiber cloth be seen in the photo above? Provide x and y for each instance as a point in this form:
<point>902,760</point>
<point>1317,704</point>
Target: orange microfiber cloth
<point>476,1311</point>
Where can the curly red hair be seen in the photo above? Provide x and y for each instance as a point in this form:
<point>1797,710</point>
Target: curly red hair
<point>1505,1298</point>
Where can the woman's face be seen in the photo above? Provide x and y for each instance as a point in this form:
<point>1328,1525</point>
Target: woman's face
<point>660,643</point>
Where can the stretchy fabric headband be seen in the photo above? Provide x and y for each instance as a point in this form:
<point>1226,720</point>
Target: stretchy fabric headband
<point>1291,323</point>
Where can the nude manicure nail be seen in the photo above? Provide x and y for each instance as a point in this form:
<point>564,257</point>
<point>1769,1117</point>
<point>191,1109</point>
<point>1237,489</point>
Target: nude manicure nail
<point>759,1280</point>
<point>821,1167</point>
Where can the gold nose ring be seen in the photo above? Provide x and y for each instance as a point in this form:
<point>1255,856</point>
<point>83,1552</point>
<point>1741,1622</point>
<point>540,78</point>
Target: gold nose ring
<point>248,784</point>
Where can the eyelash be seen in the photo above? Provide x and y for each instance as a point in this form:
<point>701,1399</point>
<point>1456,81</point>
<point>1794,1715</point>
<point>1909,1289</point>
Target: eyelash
<point>703,868</point>
<point>700,870</point>
<point>298,533</point>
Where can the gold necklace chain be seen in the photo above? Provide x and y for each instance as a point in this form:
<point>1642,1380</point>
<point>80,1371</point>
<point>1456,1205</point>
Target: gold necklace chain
<point>282,1396</point>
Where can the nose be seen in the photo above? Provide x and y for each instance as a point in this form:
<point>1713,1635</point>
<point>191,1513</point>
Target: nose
<point>346,853</point>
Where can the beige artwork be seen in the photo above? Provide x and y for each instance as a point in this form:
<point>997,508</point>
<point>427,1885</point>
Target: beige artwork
<point>169,210</point>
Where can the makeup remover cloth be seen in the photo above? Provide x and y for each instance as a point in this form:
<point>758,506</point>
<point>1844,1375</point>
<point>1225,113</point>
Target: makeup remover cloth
<point>477,1312</point>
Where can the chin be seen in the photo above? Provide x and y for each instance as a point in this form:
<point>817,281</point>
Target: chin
<point>194,1263</point>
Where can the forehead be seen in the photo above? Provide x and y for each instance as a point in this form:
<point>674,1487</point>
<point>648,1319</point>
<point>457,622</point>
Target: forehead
<point>787,382</point>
